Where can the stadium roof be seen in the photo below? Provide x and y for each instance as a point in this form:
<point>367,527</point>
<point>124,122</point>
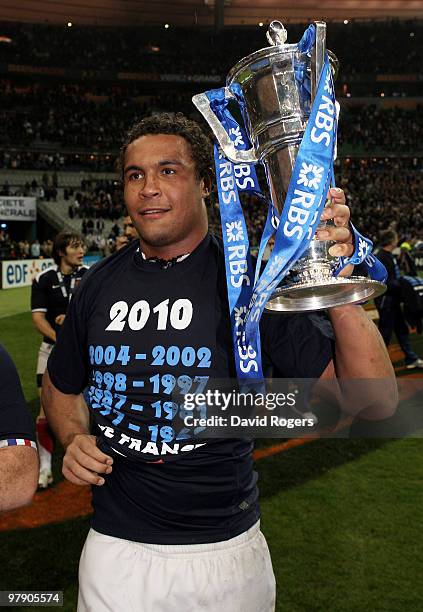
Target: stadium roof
<point>202,12</point>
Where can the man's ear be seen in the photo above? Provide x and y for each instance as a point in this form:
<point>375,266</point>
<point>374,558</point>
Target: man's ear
<point>206,185</point>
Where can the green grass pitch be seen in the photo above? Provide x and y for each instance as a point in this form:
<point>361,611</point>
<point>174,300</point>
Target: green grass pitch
<point>343,518</point>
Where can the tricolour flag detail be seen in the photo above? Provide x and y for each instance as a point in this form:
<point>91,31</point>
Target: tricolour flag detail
<point>18,442</point>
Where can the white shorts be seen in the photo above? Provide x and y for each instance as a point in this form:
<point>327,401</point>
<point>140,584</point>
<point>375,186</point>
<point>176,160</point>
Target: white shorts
<point>43,355</point>
<point>118,575</point>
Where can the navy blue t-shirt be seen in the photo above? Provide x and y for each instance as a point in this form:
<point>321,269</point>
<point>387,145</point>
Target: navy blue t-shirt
<point>136,333</point>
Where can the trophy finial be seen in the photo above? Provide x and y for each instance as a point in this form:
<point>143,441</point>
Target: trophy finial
<point>276,34</point>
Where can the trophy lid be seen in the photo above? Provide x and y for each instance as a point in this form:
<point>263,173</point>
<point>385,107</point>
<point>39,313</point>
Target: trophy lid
<point>276,34</point>
<point>247,66</point>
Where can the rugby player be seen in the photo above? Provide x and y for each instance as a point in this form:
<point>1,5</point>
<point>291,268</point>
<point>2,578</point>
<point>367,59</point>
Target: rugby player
<point>176,518</point>
<point>129,233</point>
<point>51,292</point>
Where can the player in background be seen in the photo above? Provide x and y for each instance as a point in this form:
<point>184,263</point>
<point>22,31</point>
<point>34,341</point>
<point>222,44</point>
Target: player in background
<point>129,233</point>
<point>51,292</point>
<point>391,315</point>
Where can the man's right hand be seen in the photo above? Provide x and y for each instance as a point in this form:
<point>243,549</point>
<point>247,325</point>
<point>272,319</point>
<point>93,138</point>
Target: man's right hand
<point>60,319</point>
<point>84,463</point>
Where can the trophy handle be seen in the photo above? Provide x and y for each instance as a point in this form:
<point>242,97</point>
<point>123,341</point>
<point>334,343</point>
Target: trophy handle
<point>202,102</point>
<point>318,56</point>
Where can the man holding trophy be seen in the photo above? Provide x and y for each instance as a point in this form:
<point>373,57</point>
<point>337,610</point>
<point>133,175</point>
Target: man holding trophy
<point>176,518</point>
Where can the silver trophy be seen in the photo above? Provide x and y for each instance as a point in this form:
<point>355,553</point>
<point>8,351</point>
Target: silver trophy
<point>275,117</point>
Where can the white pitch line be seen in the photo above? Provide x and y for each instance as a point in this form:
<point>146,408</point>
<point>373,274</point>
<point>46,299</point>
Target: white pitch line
<point>12,314</point>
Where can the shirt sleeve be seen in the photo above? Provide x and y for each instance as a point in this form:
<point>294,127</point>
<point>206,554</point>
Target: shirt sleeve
<point>39,301</point>
<point>297,345</point>
<point>68,365</point>
<point>16,424</point>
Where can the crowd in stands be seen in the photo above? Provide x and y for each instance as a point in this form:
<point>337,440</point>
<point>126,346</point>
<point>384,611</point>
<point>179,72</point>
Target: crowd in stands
<point>68,120</point>
<point>71,118</point>
<point>46,190</point>
<point>95,239</point>
<point>362,47</point>
<point>33,160</point>
<point>96,200</point>
<point>23,249</point>
<point>381,191</point>
<point>57,125</point>
<point>384,192</point>
<point>95,114</point>
<point>373,129</point>
<point>65,116</point>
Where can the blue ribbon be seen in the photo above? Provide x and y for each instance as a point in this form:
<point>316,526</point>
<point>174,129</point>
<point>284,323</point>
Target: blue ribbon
<point>239,269</point>
<point>272,224</point>
<point>307,40</point>
<point>238,265</point>
<point>363,255</point>
<point>300,68</point>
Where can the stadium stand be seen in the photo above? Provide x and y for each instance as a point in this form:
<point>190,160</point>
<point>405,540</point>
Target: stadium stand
<point>66,120</point>
<point>363,47</point>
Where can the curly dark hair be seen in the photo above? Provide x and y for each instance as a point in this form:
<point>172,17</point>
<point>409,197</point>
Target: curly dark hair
<point>175,125</point>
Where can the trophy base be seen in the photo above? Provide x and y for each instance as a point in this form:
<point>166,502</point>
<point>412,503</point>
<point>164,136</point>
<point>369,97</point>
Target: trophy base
<point>319,295</point>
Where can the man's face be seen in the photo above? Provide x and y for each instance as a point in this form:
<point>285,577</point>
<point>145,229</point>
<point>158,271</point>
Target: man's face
<point>129,229</point>
<point>163,195</point>
<point>74,254</point>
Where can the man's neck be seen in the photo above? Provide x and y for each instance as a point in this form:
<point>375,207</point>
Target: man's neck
<point>171,251</point>
<point>66,268</point>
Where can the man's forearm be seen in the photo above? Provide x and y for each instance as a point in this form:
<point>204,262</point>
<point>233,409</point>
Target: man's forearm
<point>67,414</point>
<point>360,349</point>
<point>360,353</point>
<point>18,476</point>
<point>43,326</point>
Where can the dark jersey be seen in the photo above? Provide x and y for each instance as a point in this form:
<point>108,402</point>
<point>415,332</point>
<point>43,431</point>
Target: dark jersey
<point>393,293</point>
<point>16,425</point>
<point>136,333</point>
<point>51,292</point>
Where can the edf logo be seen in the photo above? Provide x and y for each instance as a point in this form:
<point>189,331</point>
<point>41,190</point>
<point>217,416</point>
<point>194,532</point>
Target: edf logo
<point>21,273</point>
<point>16,273</point>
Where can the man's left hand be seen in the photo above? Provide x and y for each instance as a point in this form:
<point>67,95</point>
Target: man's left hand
<point>339,232</point>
